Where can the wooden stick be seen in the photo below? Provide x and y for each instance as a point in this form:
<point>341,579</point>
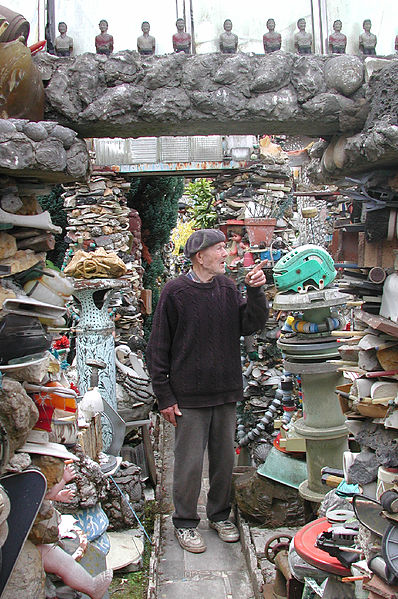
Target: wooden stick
<point>348,333</point>
<point>351,369</point>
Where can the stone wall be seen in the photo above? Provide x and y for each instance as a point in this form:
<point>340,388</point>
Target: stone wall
<point>177,94</point>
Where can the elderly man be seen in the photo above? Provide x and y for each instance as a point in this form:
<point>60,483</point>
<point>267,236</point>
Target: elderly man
<point>194,359</point>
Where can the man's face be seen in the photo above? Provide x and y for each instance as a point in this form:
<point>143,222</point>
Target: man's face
<point>103,26</point>
<point>228,25</point>
<point>213,259</point>
<point>145,27</point>
<point>62,28</point>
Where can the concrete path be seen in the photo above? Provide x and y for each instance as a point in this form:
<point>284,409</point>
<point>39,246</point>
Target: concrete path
<point>218,573</point>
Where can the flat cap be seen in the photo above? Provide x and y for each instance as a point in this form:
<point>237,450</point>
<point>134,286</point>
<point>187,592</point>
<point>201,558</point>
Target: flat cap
<point>199,240</point>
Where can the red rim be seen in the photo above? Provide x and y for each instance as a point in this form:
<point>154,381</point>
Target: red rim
<point>304,544</point>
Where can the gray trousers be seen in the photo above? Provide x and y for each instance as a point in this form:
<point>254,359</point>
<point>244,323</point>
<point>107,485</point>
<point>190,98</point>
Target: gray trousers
<point>197,429</point>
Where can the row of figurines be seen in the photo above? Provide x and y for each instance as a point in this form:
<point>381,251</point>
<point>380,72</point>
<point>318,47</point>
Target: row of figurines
<point>228,41</point>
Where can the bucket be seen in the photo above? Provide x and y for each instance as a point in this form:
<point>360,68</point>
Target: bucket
<point>17,25</point>
<point>260,230</point>
<point>52,288</point>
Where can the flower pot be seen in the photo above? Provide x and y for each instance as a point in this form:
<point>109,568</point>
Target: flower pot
<point>260,230</point>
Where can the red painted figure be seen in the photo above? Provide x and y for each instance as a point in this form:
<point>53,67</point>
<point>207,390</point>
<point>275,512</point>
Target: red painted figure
<point>181,39</point>
<point>104,41</point>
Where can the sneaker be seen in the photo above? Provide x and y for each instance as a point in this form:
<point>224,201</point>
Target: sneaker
<point>226,530</point>
<point>190,539</point>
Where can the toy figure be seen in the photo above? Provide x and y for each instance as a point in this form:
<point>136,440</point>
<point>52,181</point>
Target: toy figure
<point>236,249</point>
<point>228,40</point>
<point>145,42</point>
<point>367,40</point>
<point>63,43</point>
<point>337,40</point>
<point>302,39</point>
<point>57,492</point>
<point>56,560</point>
<point>272,40</point>
<point>104,41</point>
<point>181,39</point>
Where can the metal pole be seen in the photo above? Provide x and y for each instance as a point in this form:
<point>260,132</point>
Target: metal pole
<point>51,19</point>
<point>192,28</point>
<point>312,23</point>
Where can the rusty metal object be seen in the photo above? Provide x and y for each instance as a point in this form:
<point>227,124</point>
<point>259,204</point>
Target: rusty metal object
<point>21,86</point>
<point>285,585</point>
<point>276,544</point>
<point>17,25</point>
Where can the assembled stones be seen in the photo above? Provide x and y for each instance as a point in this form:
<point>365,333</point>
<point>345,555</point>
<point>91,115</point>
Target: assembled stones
<point>367,40</point>
<point>337,40</point>
<point>272,40</point>
<point>181,39</point>
<point>302,39</point>
<point>104,41</point>
<point>228,41</point>
<point>145,42</point>
<point>63,43</point>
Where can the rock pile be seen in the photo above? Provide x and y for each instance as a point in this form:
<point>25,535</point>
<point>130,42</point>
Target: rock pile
<point>260,190</point>
<point>98,217</point>
<point>45,150</point>
<point>126,95</point>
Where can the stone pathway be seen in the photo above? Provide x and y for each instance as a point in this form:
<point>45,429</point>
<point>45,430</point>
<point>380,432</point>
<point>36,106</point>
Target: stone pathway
<point>218,573</point>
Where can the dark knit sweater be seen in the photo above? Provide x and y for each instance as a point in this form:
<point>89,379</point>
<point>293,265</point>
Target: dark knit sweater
<point>193,353</point>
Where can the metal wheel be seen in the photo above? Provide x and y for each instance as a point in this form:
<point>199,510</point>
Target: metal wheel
<point>275,544</point>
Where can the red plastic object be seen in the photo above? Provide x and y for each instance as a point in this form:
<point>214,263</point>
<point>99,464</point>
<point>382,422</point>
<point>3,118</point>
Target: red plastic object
<point>304,544</point>
<point>277,446</point>
<point>37,47</point>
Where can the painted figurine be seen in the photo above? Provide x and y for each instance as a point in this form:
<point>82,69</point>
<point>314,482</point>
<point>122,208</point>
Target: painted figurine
<point>272,40</point>
<point>302,39</point>
<point>337,40</point>
<point>104,41</point>
<point>228,41</point>
<point>145,42</point>
<point>236,250</point>
<point>55,560</point>
<point>367,40</point>
<point>181,39</point>
<point>63,43</point>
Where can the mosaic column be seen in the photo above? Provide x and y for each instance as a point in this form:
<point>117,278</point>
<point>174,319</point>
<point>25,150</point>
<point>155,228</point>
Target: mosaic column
<point>95,340</point>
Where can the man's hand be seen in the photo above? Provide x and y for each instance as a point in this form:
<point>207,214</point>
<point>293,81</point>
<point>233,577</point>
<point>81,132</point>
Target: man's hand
<point>256,277</point>
<point>170,414</point>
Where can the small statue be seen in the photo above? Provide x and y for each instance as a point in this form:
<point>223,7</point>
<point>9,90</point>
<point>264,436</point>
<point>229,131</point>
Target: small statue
<point>145,42</point>
<point>272,40</point>
<point>63,42</point>
<point>236,250</point>
<point>337,40</point>
<point>104,41</point>
<point>302,39</point>
<point>367,40</point>
<point>181,39</point>
<point>228,40</point>
<point>54,559</point>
